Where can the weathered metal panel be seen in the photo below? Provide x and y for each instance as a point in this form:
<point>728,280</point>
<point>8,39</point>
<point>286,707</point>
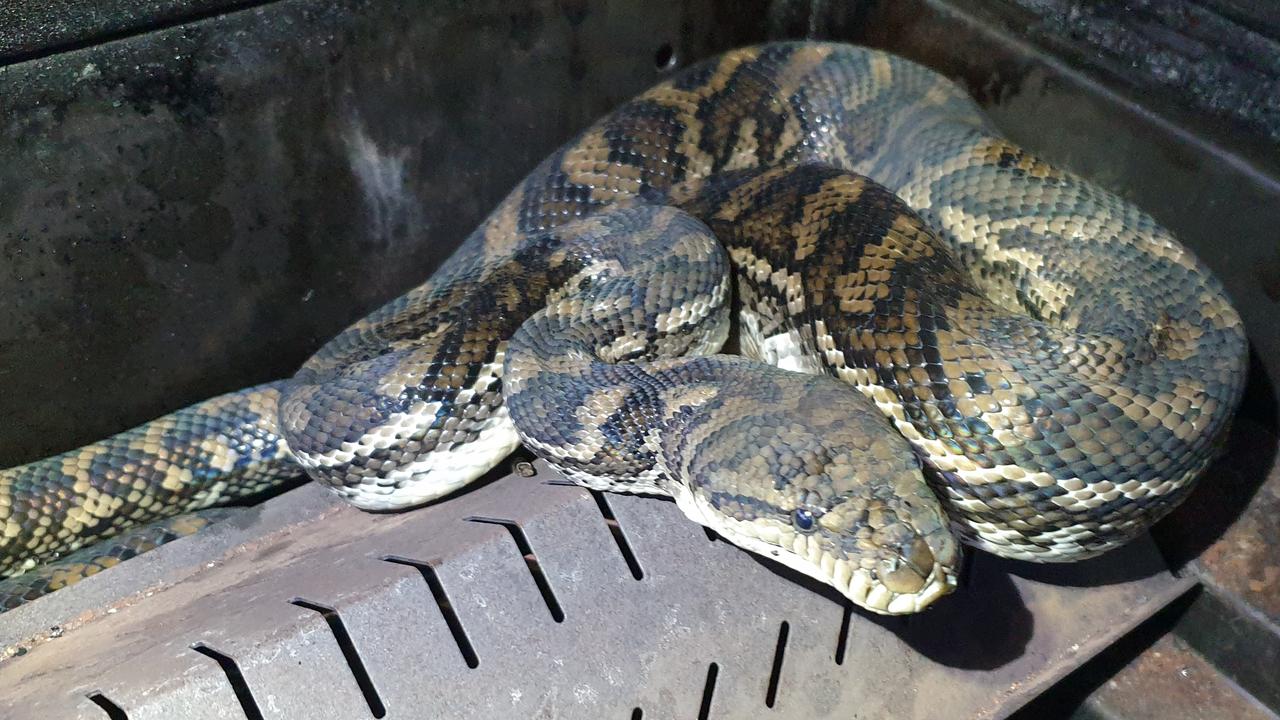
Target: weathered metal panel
<point>588,639</point>
<point>196,209</point>
<point>32,28</point>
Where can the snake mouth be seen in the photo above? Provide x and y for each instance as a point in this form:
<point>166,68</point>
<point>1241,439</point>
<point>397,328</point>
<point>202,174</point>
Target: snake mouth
<point>865,590</point>
<point>810,555</point>
<point>863,586</point>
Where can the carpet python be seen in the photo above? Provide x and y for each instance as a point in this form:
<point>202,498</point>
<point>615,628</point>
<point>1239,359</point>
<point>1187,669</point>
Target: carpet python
<point>943,339</point>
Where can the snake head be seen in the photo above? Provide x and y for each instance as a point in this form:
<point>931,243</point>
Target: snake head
<point>892,549</point>
<point>815,479</point>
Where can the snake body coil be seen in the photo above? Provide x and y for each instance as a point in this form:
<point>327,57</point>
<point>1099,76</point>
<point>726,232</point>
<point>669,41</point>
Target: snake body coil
<point>1057,368</point>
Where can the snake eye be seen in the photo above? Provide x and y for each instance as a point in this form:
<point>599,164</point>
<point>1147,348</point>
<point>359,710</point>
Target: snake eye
<point>803,519</point>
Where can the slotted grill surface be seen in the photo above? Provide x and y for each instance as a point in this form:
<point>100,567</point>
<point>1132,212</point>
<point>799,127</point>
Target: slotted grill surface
<point>528,598</point>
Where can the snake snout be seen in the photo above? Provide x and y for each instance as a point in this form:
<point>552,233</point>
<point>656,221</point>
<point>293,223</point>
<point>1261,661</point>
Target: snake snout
<point>906,554</point>
<point>909,570</point>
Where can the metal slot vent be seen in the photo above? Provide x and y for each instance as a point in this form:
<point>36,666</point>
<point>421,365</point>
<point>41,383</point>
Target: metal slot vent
<point>530,598</point>
<point>236,678</point>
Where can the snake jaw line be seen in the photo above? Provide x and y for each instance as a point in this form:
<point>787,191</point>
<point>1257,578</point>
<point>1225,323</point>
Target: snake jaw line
<point>807,556</point>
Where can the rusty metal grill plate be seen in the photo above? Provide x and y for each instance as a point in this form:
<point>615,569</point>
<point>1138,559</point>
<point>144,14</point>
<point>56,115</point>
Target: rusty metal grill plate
<point>529,599</point>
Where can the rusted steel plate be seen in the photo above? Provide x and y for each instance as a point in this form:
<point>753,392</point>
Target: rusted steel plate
<point>521,599</point>
<point>1171,680</point>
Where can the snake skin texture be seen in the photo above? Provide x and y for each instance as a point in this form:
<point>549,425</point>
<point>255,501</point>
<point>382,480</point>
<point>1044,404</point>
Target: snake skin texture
<point>1040,353</point>
<point>90,561</point>
<point>212,452</point>
<point>611,384</point>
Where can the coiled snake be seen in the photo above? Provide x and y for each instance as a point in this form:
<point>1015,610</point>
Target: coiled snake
<point>1038,366</point>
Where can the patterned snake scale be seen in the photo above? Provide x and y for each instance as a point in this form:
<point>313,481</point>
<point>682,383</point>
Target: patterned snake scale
<point>1057,368</point>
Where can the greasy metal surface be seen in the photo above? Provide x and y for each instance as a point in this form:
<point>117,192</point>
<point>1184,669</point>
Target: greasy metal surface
<point>34,27</point>
<point>623,643</point>
<point>1234,638</point>
<point>1218,65</point>
<point>196,209</point>
<point>1243,558</point>
<point>1170,680</point>
<point>1231,541</point>
<point>1154,672</point>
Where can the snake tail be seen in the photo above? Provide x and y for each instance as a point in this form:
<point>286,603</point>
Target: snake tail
<point>89,561</point>
<point>209,453</point>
